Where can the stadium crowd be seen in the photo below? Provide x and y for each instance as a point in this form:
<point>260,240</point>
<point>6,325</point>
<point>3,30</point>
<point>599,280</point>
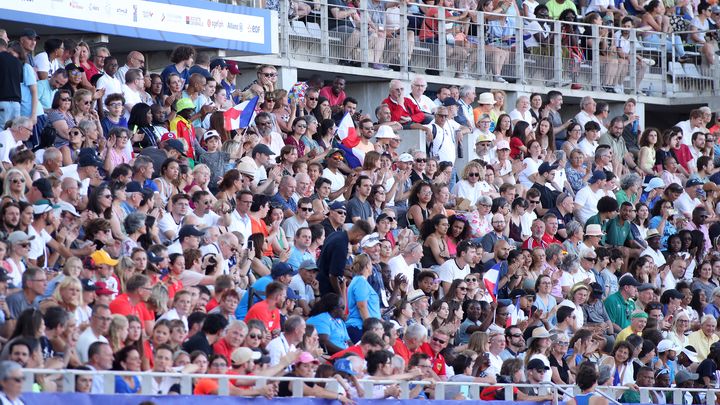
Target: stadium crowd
<point>140,233</point>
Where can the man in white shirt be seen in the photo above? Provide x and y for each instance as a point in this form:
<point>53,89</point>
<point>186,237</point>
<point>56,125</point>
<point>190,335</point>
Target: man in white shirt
<point>587,198</point>
<point>423,102</point>
<point>459,267</point>
<point>135,60</point>
<point>239,218</point>
<point>688,200</point>
<point>20,130</point>
<point>587,112</point>
<point>467,97</point>
<point>202,213</point>
<point>496,346</point>
<point>134,84</point>
<point>99,326</point>
<point>446,133</point>
<point>188,238</point>
<point>108,81</point>
<point>169,224</point>
<point>302,283</point>
<point>292,334</point>
<point>653,249</point>
<point>406,262</point>
<point>589,143</point>
<point>692,125</point>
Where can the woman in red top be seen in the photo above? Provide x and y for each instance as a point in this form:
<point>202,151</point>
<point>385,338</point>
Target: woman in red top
<point>172,280</point>
<point>82,59</point>
<point>520,135</point>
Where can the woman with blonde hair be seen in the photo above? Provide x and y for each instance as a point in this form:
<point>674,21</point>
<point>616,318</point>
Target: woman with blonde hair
<point>201,181</point>
<point>283,110</point>
<point>123,271</point>
<point>68,295</point>
<point>118,332</point>
<point>82,107</point>
<point>479,342</point>
<point>14,185</point>
<point>72,268</point>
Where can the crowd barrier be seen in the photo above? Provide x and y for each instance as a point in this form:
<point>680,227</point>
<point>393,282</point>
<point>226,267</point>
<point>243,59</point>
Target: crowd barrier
<point>559,392</point>
<point>396,38</point>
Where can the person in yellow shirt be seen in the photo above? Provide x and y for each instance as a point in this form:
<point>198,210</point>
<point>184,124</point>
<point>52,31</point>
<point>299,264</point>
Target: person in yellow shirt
<point>704,337</point>
<point>638,320</point>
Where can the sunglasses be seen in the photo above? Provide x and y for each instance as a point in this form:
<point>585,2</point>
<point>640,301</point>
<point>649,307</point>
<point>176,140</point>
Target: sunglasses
<point>16,181</point>
<point>75,133</point>
<point>86,102</point>
<point>341,212</point>
<point>338,158</point>
<point>65,99</point>
<point>16,379</point>
<point>591,259</point>
<point>269,74</point>
<point>420,160</point>
<point>471,280</point>
<point>533,201</point>
<point>306,209</point>
<point>312,98</point>
<point>473,174</point>
<point>253,336</point>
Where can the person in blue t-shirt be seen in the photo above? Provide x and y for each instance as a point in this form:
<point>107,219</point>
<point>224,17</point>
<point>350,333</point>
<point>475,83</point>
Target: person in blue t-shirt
<point>363,301</point>
<point>326,316</point>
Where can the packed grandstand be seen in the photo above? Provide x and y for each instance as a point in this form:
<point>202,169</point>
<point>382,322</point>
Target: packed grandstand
<point>173,231</point>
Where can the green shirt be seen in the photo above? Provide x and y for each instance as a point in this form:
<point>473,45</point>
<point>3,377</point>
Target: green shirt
<point>555,8</point>
<point>619,309</point>
<point>616,234</point>
<point>616,144</point>
<point>621,197</point>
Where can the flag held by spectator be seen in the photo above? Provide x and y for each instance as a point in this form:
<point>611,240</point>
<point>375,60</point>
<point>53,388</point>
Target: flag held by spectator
<point>491,280</point>
<point>346,132</point>
<point>241,115</point>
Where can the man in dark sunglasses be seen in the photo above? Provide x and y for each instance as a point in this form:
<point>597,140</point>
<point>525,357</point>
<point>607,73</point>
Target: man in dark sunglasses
<point>12,381</point>
<point>436,344</point>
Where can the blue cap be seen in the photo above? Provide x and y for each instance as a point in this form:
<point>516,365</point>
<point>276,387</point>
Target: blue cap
<point>89,157</point>
<point>337,205</point>
<point>280,269</point>
<point>344,365</point>
<point>546,167</point>
<point>597,176</point>
<point>308,265</point>
<point>133,187</point>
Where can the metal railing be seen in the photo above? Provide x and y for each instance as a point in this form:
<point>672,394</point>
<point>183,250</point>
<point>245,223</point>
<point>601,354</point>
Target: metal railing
<point>186,382</point>
<point>488,46</point>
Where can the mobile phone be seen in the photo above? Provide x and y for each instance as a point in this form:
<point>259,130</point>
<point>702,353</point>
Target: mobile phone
<point>250,245</point>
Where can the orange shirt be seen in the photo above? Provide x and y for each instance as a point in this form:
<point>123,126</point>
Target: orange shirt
<point>438,361</point>
<point>206,386</point>
<point>259,226</point>
<point>261,311</point>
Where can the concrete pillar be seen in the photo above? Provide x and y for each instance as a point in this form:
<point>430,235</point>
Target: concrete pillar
<point>287,77</point>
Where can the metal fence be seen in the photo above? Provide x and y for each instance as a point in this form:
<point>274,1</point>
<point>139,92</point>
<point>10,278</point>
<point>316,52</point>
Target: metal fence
<point>499,47</point>
<point>559,392</point>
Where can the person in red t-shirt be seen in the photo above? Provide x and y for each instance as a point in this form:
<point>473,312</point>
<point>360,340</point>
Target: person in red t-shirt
<point>437,343</point>
<point>133,301</point>
<point>415,336</point>
<point>370,342</point>
<point>268,310</point>
<point>210,386</point>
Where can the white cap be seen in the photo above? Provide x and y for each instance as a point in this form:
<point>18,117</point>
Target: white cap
<point>370,240</point>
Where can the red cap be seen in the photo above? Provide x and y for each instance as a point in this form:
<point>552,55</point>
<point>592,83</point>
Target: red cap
<point>101,289</point>
<point>168,135</point>
<point>232,67</point>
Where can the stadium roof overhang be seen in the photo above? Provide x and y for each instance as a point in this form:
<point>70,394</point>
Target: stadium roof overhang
<point>148,24</point>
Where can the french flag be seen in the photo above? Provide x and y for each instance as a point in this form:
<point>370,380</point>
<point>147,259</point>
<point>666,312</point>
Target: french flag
<point>491,280</point>
<point>241,115</point>
<point>347,133</point>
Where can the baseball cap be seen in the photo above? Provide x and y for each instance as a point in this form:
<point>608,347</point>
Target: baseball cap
<point>306,358</point>
<point>4,278</point>
<point>546,167</point>
<point>133,187</point>
<point>88,285</point>
<point>370,240</point>
<point>308,265</point>
<point>30,33</point>
<point>502,145</point>
<point>654,183</point>
<point>597,176</point>
<point>42,206</point>
<point>153,258</point>
<point>537,364</point>
<point>667,344</point>
<point>71,66</point>
<point>597,290</point>
<point>102,289</point>
<point>693,182</point>
<point>88,157</point>
<point>344,365</point>
<point>177,145</point>
<point>628,279</point>
<point>102,257</point>
<point>262,148</point>
<point>218,62</point>
<point>167,136</point>
<point>337,205</point>
<point>242,355</point>
<point>189,230</point>
<point>715,9</point>
<point>67,207</point>
<point>43,185</point>
<point>280,269</point>
<point>645,287</point>
<point>232,67</point>
<point>19,237</point>
<point>668,294</point>
<point>184,104</point>
<point>405,158</point>
<point>449,101</point>
<point>683,376</point>
<point>210,134</point>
